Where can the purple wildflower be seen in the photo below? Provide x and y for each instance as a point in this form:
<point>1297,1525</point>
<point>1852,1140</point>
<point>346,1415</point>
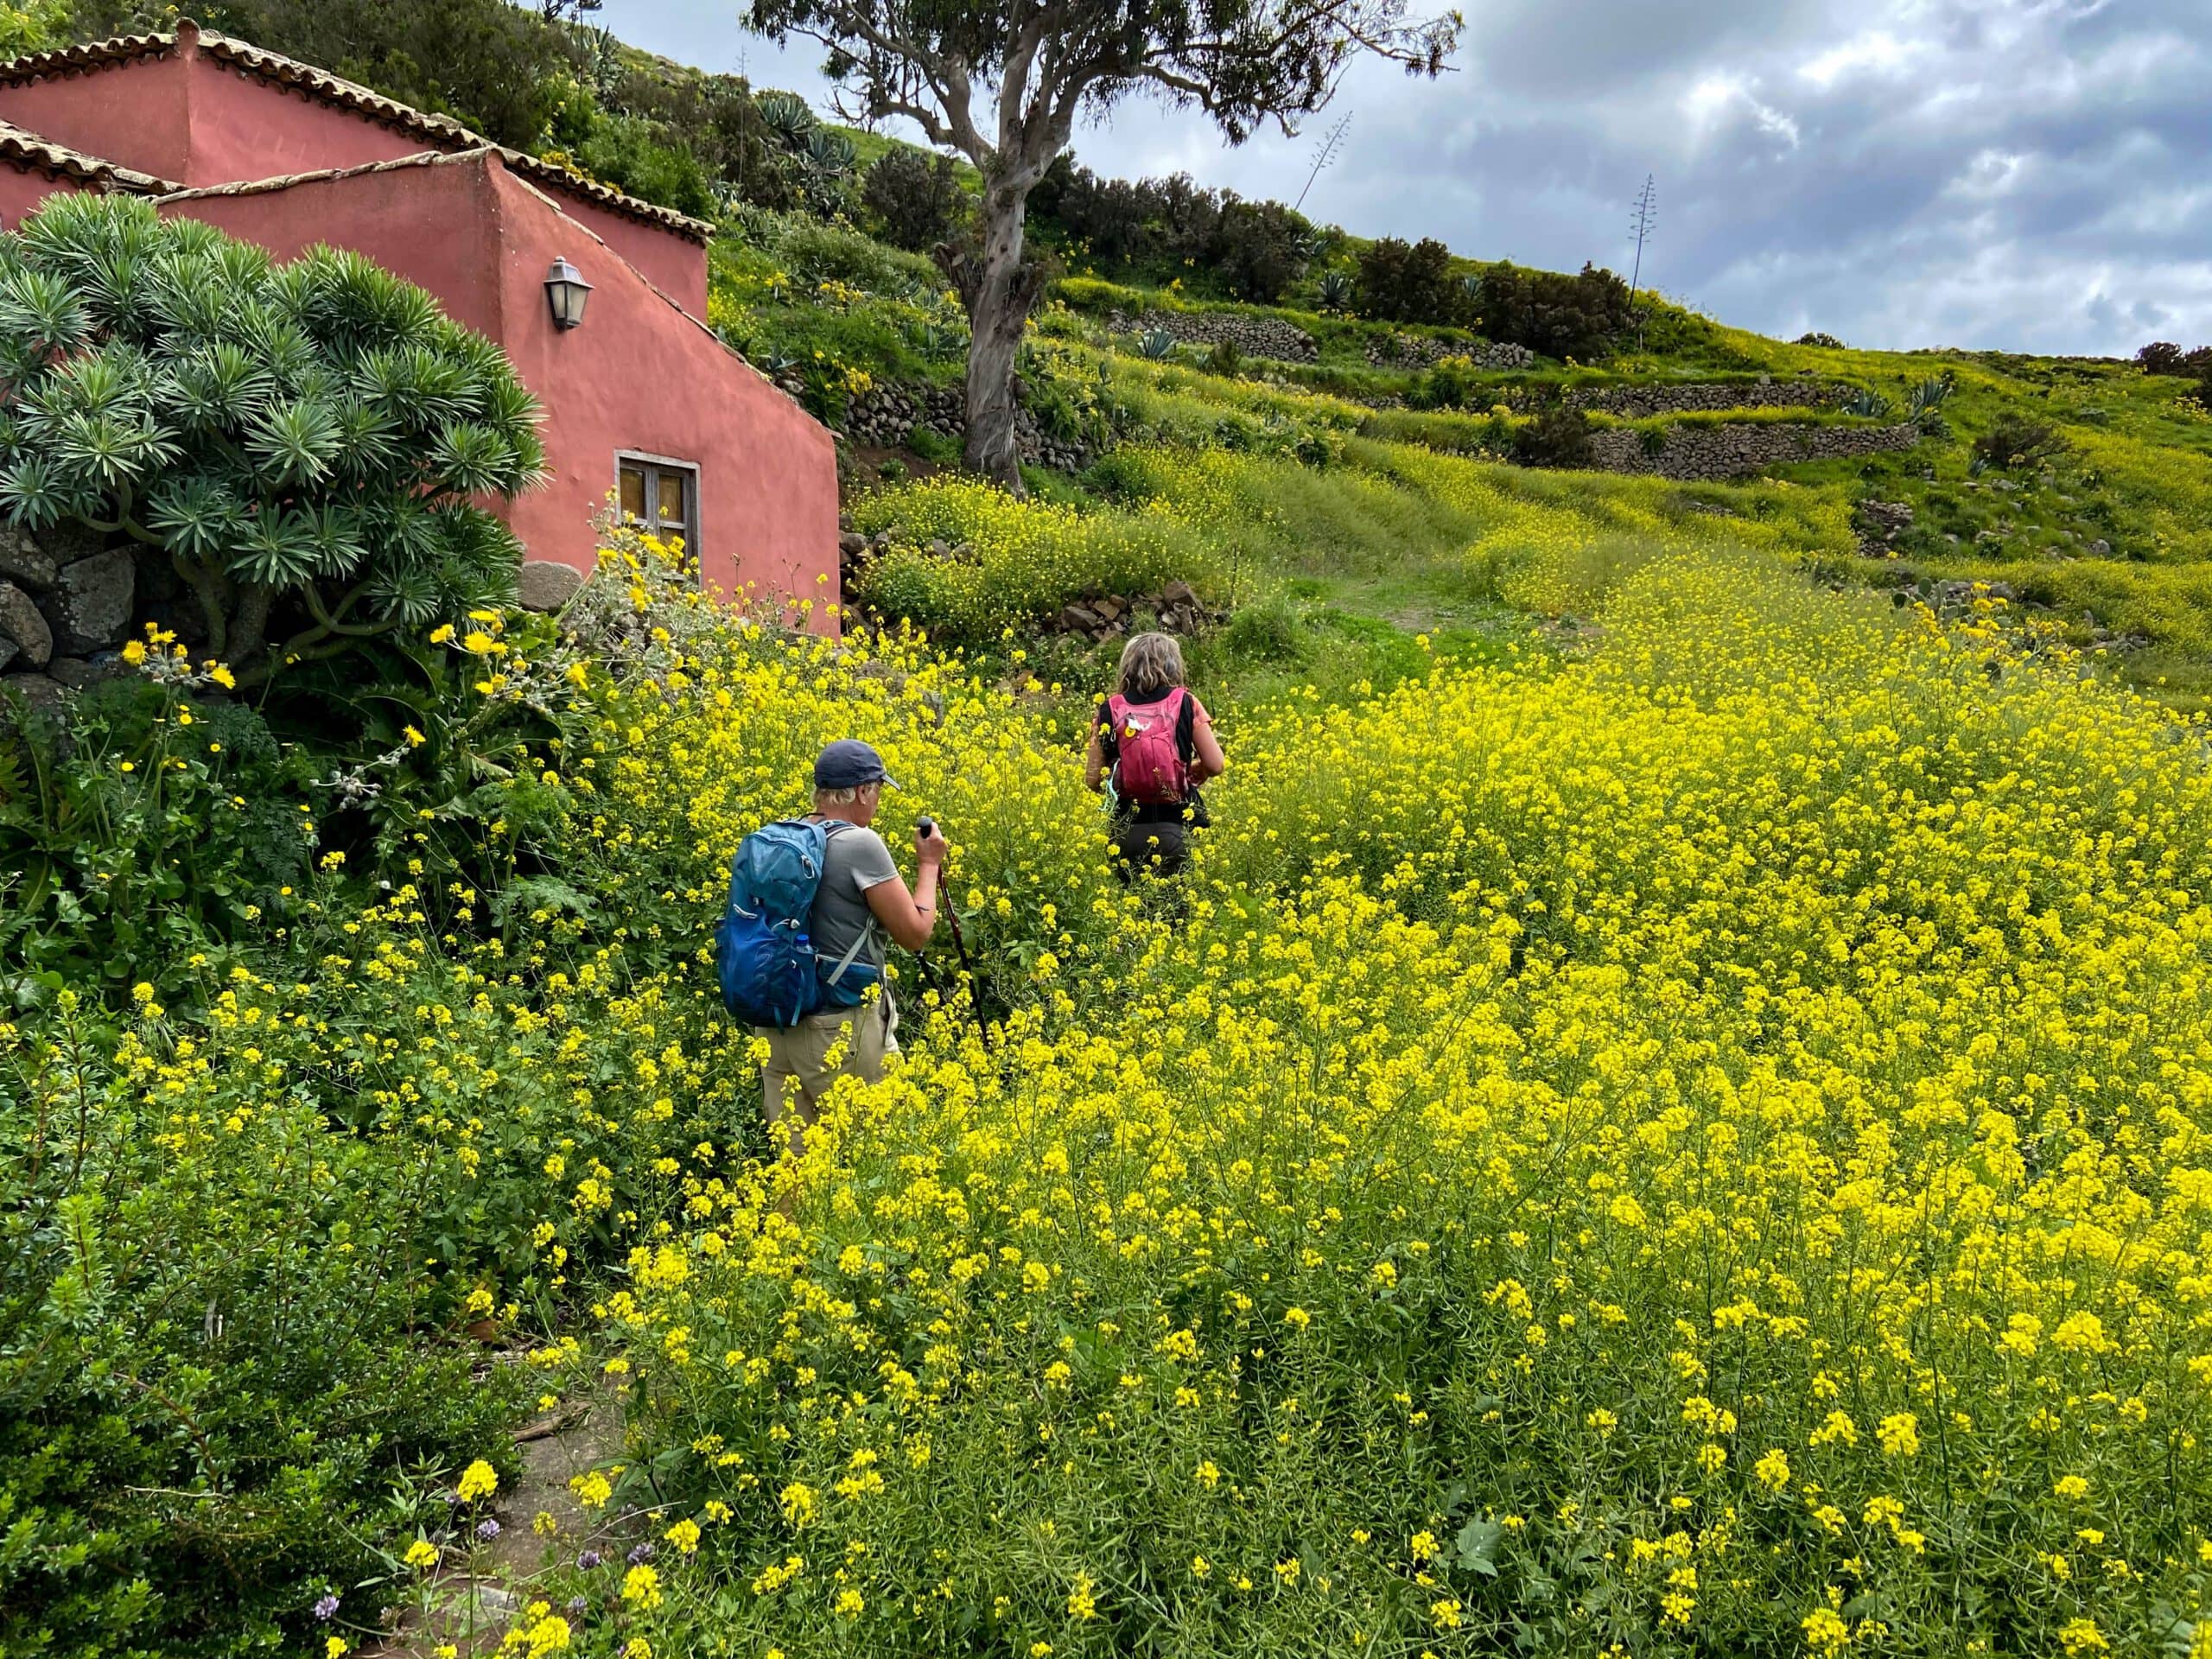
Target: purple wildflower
<point>588,1559</point>
<point>326,1607</point>
<point>487,1529</point>
<point>641,1555</point>
<point>578,1606</point>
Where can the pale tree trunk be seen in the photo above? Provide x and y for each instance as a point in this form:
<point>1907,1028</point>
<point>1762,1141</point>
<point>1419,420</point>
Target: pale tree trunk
<point>1000,289</point>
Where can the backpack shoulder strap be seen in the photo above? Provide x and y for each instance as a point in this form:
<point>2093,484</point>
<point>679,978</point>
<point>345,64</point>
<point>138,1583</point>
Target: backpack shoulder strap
<point>830,828</point>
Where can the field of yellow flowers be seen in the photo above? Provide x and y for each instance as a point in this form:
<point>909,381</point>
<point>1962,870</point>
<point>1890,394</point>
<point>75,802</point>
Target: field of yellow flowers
<point>1700,1148</point>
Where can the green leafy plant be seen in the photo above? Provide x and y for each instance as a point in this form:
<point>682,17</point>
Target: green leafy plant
<point>1156,344</point>
<point>1333,293</point>
<point>308,443</point>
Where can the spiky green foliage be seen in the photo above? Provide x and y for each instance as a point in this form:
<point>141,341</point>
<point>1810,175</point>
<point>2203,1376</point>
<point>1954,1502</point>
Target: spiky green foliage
<point>309,443</point>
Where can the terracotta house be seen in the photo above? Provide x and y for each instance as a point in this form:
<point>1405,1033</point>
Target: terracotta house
<point>641,398</point>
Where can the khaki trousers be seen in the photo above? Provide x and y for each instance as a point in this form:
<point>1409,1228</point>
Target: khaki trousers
<point>800,1057</point>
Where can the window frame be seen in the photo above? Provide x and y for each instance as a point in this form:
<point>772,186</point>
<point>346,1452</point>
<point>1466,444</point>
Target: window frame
<point>654,466</point>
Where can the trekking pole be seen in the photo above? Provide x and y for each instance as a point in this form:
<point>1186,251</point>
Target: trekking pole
<point>960,943</point>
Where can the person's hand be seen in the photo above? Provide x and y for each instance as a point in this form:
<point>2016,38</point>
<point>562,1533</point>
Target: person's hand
<point>929,843</point>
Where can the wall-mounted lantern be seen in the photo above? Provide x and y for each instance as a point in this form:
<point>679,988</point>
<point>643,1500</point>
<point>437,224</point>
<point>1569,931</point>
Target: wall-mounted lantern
<point>566,291</point>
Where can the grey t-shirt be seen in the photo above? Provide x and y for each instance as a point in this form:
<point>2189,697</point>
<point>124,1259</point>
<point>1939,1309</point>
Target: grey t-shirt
<point>855,860</point>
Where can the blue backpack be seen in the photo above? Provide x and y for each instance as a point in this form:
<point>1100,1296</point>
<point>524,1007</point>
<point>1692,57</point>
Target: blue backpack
<point>769,974</point>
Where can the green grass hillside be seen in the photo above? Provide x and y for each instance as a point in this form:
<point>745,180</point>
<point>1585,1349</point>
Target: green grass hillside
<point>2080,488</point>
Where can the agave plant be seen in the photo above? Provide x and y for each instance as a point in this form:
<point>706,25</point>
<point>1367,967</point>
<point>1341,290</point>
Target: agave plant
<point>1930,395</point>
<point>1156,344</point>
<point>1335,290</point>
<point>830,151</point>
<point>787,117</point>
<point>308,443</point>
<point>607,66</point>
<point>1868,403</point>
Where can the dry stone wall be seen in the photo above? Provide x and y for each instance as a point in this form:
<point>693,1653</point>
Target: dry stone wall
<point>1634,403</point>
<point>1269,337</point>
<point>1710,454</point>
<point>1396,351</point>
<point>68,603</point>
<point>886,416</point>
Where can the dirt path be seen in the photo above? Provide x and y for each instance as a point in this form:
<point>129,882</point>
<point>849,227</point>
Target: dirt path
<point>470,1607</point>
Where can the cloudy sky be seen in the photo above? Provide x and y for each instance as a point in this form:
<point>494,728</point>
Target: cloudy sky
<point>2029,175</point>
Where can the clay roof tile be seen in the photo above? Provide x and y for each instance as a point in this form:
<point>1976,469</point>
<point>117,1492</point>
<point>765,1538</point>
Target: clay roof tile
<point>442,131</point>
<point>58,160</point>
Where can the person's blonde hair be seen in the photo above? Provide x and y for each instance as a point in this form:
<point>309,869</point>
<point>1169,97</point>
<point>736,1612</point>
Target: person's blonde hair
<point>838,797</point>
<point>1150,662</point>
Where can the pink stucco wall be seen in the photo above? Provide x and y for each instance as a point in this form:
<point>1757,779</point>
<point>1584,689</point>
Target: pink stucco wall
<point>138,114</point>
<point>191,117</point>
<point>657,381</point>
<point>639,375</point>
<point>672,263</point>
<point>22,189</point>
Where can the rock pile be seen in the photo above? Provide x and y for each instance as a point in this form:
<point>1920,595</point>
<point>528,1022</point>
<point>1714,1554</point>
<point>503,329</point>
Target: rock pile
<point>1879,523</point>
<point>1710,454</point>
<point>887,416</point>
<point>1269,337</point>
<point>1175,609</point>
<point>857,551</point>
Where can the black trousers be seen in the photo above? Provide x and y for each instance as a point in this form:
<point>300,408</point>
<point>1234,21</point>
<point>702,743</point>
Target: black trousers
<point>1150,848</point>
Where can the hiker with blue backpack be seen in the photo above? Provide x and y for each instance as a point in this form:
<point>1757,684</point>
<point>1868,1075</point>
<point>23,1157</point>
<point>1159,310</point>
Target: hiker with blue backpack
<point>800,950</point>
<point>1151,745</point>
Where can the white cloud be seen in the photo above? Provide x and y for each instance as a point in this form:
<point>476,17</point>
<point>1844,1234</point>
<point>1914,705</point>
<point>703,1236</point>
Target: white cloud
<point>1878,54</point>
<point>2000,173</point>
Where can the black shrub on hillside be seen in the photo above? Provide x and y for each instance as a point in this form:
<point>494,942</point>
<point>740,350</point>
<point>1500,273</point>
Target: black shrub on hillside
<point>1554,313</point>
<point>1260,249</point>
<point>2160,357</point>
<point>2015,441</point>
<point>1114,218</point>
<point>914,197</point>
<point>1254,250</point>
<point>1402,282</point>
<point>1559,436</point>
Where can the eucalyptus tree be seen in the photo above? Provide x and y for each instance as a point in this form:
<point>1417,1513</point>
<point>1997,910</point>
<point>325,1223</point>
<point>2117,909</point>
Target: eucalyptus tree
<point>1003,82</point>
<point>311,445</point>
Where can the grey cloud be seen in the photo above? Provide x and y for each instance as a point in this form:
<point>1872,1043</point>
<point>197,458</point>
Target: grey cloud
<point>2022,173</point>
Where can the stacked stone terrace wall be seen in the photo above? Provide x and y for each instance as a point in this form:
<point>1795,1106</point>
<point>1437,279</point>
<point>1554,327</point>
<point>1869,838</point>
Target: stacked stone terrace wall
<point>1706,397</point>
<point>1269,337</point>
<point>1712,453</point>
<point>886,416</point>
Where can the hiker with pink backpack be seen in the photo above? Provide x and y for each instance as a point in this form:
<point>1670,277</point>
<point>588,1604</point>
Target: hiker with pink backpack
<point>1151,745</point>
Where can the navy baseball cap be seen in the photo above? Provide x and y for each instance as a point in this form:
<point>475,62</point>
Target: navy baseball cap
<point>849,764</point>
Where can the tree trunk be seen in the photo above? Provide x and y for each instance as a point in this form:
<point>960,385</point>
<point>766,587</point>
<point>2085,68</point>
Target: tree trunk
<point>1000,290</point>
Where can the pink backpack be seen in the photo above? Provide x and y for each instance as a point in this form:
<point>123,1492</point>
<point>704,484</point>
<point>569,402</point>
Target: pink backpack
<point>1148,764</point>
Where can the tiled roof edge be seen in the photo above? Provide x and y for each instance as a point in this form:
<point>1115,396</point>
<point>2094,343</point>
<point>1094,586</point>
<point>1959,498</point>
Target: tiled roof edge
<point>281,71</point>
